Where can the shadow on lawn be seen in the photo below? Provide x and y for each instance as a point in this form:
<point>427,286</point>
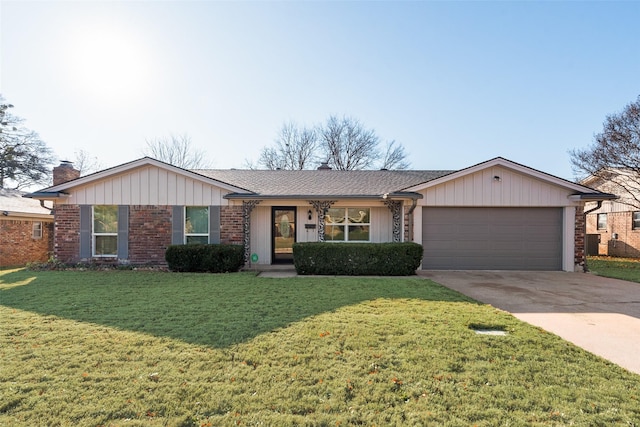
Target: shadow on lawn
<point>211,310</point>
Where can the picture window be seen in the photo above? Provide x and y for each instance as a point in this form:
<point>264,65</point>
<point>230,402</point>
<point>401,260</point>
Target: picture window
<point>347,225</point>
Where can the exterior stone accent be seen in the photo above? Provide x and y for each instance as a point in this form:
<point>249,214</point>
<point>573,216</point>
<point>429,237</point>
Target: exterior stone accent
<point>18,246</point>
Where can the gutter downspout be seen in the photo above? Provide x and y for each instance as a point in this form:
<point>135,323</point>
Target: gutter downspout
<point>584,232</point>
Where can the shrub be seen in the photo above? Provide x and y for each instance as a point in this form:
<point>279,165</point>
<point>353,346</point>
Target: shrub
<point>205,258</point>
<point>357,259</point>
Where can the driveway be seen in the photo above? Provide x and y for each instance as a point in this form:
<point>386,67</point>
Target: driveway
<point>598,314</point>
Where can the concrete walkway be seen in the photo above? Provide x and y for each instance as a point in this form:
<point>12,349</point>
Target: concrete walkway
<point>598,314</point>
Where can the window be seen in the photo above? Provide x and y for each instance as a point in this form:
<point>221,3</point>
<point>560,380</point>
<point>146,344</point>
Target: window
<point>36,231</point>
<point>635,224</point>
<point>196,224</point>
<point>347,225</point>
<point>602,221</point>
<point>105,231</point>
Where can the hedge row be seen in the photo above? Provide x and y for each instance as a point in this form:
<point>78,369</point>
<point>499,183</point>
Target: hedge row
<point>205,258</point>
<point>357,259</point>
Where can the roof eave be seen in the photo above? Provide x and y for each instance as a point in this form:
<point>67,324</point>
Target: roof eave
<point>593,197</point>
<point>47,195</point>
<point>386,196</point>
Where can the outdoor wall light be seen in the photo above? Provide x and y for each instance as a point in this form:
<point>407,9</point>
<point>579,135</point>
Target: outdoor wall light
<point>497,178</point>
<point>310,215</point>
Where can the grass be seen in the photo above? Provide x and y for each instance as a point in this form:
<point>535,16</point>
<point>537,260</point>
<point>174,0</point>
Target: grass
<point>617,268</point>
<point>126,348</point>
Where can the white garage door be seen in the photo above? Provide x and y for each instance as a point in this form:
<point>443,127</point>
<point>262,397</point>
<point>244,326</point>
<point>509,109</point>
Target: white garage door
<point>492,238</point>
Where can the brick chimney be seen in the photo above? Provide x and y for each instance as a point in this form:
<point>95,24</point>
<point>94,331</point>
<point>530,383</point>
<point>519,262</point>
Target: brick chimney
<point>65,172</point>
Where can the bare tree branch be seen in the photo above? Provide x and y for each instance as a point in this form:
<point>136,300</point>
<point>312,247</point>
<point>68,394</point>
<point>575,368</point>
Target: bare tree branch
<point>294,149</point>
<point>347,145</point>
<point>394,157</point>
<point>177,150</point>
<point>85,162</point>
<point>613,160</point>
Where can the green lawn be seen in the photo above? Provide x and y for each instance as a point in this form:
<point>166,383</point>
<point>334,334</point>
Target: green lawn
<point>617,268</point>
<point>133,348</point>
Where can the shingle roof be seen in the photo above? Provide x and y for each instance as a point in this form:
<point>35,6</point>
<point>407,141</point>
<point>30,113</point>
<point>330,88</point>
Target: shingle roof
<point>12,201</point>
<point>322,182</point>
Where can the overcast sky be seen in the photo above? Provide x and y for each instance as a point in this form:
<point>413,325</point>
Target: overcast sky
<point>456,83</point>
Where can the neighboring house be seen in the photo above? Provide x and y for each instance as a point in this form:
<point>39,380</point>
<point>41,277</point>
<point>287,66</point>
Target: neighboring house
<point>26,229</point>
<point>495,215</point>
<point>613,227</point>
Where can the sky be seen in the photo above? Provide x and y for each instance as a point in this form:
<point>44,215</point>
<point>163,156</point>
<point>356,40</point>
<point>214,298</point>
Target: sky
<point>455,83</point>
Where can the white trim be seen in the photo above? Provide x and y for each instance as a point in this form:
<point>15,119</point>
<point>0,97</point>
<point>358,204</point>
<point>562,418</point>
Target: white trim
<point>94,234</point>
<point>569,238</point>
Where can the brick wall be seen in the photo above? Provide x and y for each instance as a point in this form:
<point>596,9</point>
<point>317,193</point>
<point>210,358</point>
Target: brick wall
<point>231,227</point>
<point>66,246</point>
<point>621,223</point>
<point>149,234</point>
<point>17,245</point>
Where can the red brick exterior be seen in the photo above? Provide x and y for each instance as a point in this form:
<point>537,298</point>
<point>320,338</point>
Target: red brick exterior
<point>17,245</point>
<point>621,223</point>
<point>231,225</point>
<point>150,229</point>
<point>65,172</point>
<point>66,247</point>
<point>149,234</point>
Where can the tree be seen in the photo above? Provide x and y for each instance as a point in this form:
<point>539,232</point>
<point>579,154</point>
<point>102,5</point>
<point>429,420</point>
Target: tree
<point>394,157</point>
<point>176,150</point>
<point>25,160</point>
<point>85,162</point>
<point>347,145</point>
<point>294,149</point>
<point>344,143</point>
<point>614,156</point>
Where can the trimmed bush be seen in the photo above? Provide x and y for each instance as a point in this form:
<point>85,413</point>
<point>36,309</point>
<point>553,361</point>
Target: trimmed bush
<point>205,258</point>
<point>357,259</point>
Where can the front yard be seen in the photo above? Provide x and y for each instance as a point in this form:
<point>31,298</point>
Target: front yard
<point>617,268</point>
<point>126,348</point>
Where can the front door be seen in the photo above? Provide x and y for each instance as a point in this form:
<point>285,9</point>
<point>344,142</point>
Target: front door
<point>283,220</point>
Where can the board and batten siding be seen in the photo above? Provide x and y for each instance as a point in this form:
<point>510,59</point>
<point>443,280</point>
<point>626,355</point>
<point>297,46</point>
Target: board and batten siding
<point>481,189</point>
<point>261,229</point>
<point>148,186</point>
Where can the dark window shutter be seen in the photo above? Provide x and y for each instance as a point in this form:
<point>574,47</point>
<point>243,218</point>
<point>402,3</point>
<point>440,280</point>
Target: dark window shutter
<point>123,232</point>
<point>177,226</point>
<point>214,224</point>
<point>85,231</point>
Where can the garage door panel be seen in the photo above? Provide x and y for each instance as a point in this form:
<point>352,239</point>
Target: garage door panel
<point>492,238</point>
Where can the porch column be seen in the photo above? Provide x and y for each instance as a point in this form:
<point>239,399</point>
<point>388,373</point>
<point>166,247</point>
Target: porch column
<point>247,207</point>
<point>396,210</point>
<point>321,207</point>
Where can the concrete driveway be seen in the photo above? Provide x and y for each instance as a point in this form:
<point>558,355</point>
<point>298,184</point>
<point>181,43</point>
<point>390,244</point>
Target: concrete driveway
<point>598,314</point>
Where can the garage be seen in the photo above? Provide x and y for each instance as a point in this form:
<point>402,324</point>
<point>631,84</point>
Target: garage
<point>496,238</point>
